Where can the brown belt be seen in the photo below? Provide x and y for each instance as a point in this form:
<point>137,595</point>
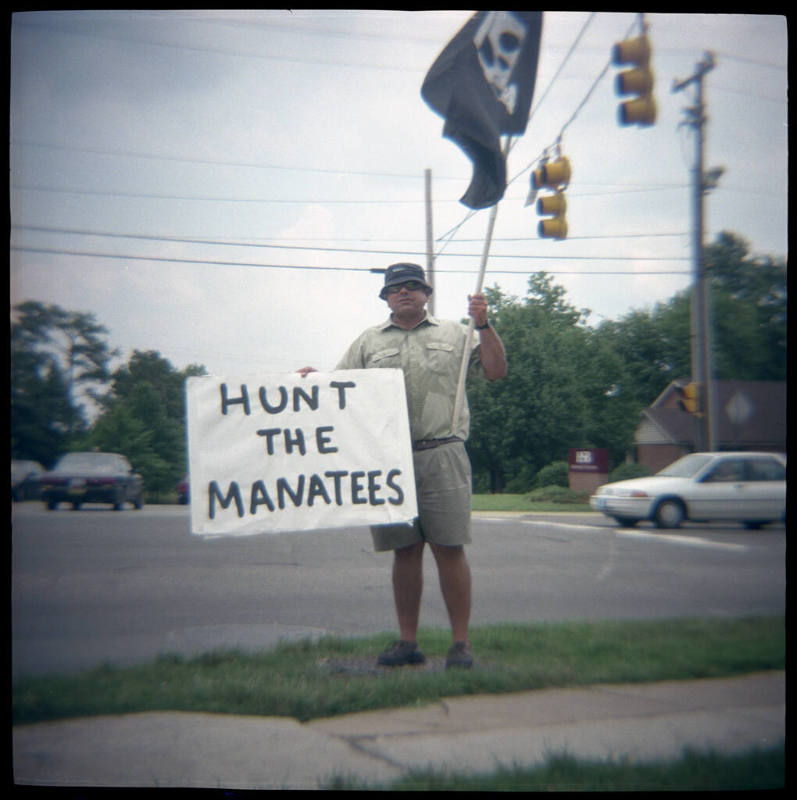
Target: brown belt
<point>428,444</point>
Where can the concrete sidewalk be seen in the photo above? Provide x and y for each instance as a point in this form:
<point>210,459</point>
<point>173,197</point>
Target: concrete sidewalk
<point>463,734</point>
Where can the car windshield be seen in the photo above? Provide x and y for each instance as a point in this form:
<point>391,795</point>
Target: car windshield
<point>685,467</point>
<point>19,469</point>
<point>91,462</point>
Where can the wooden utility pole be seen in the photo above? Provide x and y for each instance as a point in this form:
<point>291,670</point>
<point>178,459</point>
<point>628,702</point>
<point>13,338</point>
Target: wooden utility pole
<point>705,438</point>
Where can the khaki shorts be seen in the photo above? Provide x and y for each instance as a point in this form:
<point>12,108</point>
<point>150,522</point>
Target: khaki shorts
<point>443,487</point>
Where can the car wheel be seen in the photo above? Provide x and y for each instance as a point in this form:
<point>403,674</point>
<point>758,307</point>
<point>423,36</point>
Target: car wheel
<point>755,524</point>
<point>76,506</point>
<point>670,514</point>
<point>138,502</point>
<point>627,522</point>
<point>51,505</point>
<point>119,500</point>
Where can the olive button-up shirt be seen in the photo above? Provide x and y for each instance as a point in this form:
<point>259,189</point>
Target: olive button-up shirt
<point>430,356</point>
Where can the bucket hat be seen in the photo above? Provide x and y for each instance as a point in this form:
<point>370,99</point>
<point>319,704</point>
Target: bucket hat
<point>401,273</point>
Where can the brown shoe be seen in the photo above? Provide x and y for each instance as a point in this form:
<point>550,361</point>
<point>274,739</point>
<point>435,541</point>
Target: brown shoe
<point>400,653</point>
<point>460,655</point>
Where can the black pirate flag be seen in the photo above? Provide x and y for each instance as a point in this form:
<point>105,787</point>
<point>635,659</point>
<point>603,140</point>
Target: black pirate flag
<point>482,84</point>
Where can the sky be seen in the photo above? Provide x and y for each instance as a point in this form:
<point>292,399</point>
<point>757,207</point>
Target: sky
<point>218,185</point>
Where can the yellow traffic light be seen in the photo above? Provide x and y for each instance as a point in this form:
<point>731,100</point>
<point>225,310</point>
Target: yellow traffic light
<point>555,206</point>
<point>638,81</point>
<point>553,175</point>
<point>556,173</point>
<point>690,398</point>
<point>632,51</point>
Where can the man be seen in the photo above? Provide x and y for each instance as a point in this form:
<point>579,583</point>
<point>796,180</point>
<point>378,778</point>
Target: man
<point>429,352</point>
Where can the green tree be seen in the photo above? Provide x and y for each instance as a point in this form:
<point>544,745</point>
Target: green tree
<point>120,431</point>
<point>613,404</point>
<point>55,355</point>
<point>531,417</point>
<point>749,310</point>
<point>144,418</point>
<point>40,410</point>
<point>570,385</point>
<point>748,321</point>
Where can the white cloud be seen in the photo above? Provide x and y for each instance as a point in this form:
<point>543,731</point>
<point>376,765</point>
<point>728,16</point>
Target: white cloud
<point>332,100</point>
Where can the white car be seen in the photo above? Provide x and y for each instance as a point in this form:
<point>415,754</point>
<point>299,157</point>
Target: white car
<point>745,487</point>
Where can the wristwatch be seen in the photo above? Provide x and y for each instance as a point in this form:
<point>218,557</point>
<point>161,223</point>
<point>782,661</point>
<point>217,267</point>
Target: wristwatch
<point>483,327</point>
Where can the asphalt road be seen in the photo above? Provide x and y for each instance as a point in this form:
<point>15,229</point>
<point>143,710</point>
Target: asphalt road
<point>96,586</point>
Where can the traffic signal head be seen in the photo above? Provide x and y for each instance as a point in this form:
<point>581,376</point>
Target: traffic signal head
<point>634,81</point>
<point>640,110</point>
<point>554,205</point>
<point>556,173</point>
<point>632,51</point>
<point>690,398</point>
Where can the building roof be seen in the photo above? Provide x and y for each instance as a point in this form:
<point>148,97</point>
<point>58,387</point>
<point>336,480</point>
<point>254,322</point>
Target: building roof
<point>748,414</point>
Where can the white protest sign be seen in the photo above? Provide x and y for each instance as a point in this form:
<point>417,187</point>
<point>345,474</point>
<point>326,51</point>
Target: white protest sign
<point>278,453</point>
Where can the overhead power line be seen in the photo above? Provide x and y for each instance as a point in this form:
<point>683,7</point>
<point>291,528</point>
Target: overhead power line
<point>194,198</point>
<point>305,200</point>
<point>175,260</point>
<point>395,65</point>
<point>326,249</point>
<point>254,242</point>
<point>219,162</point>
<point>449,235</point>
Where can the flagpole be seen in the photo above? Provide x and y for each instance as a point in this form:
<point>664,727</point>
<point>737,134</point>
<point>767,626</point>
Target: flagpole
<point>463,369</point>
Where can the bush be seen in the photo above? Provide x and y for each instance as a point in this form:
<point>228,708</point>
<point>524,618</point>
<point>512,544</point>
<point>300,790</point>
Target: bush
<point>557,494</point>
<point>626,471</point>
<point>555,474</point>
<point>521,481</point>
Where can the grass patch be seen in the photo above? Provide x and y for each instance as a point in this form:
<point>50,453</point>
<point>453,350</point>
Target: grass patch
<point>291,680</point>
<point>754,771</point>
<point>524,502</point>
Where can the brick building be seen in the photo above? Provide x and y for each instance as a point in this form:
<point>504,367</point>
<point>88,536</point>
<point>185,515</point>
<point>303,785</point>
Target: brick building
<point>750,415</point>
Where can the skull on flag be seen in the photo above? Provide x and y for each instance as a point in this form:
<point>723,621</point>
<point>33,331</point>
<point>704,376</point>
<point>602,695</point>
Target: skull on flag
<point>498,41</point>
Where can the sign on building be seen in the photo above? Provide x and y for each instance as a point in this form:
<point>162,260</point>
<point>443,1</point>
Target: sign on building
<point>588,467</point>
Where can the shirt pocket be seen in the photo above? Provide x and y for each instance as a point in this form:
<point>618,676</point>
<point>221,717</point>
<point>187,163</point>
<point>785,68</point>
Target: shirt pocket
<point>384,358</point>
<point>440,356</point>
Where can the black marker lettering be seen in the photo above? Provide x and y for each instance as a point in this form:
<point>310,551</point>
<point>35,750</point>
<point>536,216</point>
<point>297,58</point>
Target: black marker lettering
<point>283,488</point>
<point>317,489</point>
<point>311,401</point>
<point>399,499</point>
<point>234,493</point>
<point>374,487</point>
<point>259,497</point>
<point>242,400</point>
<point>337,475</point>
<point>269,433</point>
<point>323,441</point>
<point>296,440</point>
<point>341,386</point>
<point>357,487</point>
<point>282,403</point>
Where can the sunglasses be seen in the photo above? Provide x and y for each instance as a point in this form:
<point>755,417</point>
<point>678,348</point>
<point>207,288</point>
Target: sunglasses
<point>411,286</point>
